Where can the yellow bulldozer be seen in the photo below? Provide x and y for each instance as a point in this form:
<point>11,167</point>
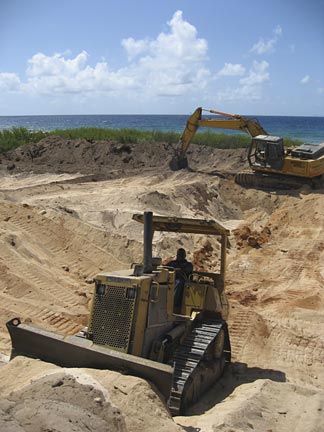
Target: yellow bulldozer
<point>134,326</point>
<point>272,166</point>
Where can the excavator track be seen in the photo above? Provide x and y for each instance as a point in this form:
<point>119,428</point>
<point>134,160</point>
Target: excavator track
<point>198,362</point>
<point>273,182</point>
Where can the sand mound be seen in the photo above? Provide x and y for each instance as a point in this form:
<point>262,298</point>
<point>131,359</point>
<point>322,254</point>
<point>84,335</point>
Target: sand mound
<point>263,405</point>
<point>48,398</point>
<point>57,155</point>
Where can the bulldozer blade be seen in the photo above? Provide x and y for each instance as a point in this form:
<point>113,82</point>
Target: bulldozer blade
<point>79,352</point>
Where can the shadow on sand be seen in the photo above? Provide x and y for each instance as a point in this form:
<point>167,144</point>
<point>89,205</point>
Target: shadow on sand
<point>234,375</point>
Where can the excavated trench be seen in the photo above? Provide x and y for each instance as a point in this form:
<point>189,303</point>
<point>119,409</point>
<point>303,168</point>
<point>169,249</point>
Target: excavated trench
<point>66,211</point>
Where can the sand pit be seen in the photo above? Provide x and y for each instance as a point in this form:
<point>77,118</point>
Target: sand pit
<point>65,215</point>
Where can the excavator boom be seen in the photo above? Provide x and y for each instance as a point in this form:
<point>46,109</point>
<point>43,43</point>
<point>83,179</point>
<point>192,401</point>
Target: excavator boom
<point>233,122</point>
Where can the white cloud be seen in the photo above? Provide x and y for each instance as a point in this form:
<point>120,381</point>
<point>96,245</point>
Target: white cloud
<point>320,90</point>
<point>257,75</point>
<point>231,69</point>
<point>250,86</point>
<point>305,80</point>
<point>181,43</point>
<point>87,80</point>
<point>9,82</point>
<point>134,48</point>
<point>42,65</point>
<point>266,46</point>
<point>171,64</point>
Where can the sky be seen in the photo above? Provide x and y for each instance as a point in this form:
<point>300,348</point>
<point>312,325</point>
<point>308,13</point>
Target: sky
<point>261,57</point>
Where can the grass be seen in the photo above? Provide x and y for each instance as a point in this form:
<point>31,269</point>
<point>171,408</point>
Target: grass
<point>12,138</point>
<point>15,137</point>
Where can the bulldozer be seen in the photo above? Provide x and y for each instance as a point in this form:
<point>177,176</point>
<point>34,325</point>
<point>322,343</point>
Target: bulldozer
<point>134,326</point>
<point>272,166</point>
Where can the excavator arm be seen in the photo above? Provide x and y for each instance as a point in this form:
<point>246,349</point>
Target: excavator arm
<point>233,121</point>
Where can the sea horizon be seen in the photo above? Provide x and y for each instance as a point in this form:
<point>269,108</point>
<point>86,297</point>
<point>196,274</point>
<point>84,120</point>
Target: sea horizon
<point>128,115</point>
<point>304,128</point>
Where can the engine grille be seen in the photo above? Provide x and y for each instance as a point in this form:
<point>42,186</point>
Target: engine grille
<point>112,316</point>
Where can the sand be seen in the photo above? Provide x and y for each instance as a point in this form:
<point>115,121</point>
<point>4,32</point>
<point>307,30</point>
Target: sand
<point>65,215</point>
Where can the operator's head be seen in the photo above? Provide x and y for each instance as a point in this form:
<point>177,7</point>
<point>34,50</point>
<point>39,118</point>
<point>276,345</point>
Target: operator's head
<point>181,254</point>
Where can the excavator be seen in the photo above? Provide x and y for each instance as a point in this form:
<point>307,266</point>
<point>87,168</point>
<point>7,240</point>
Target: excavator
<point>134,326</point>
<point>272,166</point>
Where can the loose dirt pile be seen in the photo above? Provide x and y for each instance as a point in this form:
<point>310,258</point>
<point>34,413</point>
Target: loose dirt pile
<point>65,215</point>
<point>44,397</point>
<point>57,155</point>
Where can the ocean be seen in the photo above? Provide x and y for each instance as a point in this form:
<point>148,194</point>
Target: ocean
<point>305,129</point>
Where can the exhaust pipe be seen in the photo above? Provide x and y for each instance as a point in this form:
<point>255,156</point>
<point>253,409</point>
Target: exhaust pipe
<point>148,235</point>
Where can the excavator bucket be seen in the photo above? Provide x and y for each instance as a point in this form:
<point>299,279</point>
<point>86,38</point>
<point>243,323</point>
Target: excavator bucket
<point>75,351</point>
<point>178,163</point>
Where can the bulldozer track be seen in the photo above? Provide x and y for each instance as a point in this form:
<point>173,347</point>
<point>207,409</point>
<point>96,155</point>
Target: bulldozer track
<point>39,313</point>
<point>240,330</point>
<point>39,278</point>
<point>187,360</point>
<point>260,180</point>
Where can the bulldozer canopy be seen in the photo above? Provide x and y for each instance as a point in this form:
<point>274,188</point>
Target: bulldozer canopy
<point>185,225</point>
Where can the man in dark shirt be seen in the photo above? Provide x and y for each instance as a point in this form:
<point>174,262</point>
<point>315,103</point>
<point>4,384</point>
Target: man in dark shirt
<point>184,269</point>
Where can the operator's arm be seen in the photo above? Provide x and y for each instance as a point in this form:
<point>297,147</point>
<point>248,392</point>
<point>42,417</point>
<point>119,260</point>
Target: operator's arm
<point>188,268</point>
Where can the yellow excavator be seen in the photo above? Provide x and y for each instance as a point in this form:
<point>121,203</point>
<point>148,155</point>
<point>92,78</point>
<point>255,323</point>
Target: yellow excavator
<point>271,164</point>
<point>135,327</point>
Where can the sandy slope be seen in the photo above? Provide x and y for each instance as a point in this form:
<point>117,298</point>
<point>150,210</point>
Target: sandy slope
<point>66,214</point>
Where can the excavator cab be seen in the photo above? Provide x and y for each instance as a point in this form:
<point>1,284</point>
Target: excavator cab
<point>266,151</point>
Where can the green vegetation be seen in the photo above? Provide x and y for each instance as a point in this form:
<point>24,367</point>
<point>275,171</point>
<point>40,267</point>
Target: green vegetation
<point>13,138</point>
<point>124,136</point>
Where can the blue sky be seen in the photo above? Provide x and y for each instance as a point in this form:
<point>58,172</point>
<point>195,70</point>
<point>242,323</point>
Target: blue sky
<point>257,57</point>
